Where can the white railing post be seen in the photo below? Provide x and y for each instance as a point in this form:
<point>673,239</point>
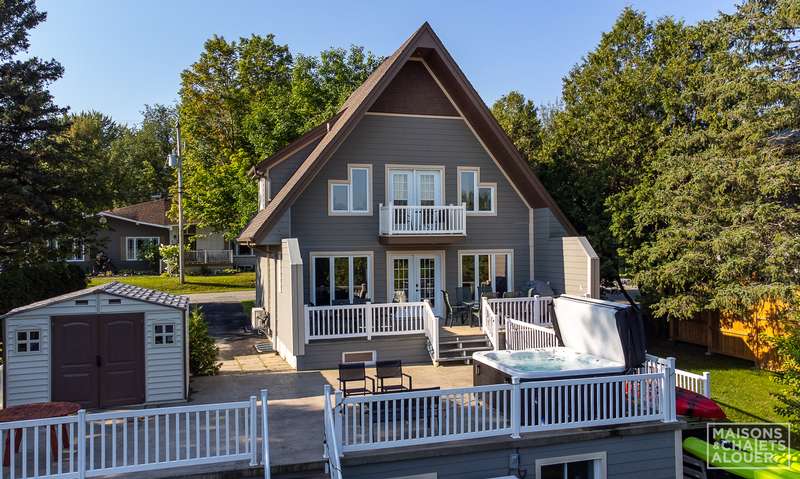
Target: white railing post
<point>516,402</point>
<point>670,414</point>
<point>337,417</point>
<point>368,320</point>
<point>326,398</point>
<point>537,309</point>
<point>253,431</point>
<point>307,315</point>
<point>391,218</point>
<point>707,384</point>
<point>265,433</point>
<point>81,440</point>
<point>205,256</point>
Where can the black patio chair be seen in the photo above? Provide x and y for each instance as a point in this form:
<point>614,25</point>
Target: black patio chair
<point>392,369</point>
<point>453,311</point>
<point>355,372</point>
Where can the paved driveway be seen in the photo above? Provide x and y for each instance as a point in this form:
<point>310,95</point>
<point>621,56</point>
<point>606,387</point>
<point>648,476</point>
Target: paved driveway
<point>227,323</point>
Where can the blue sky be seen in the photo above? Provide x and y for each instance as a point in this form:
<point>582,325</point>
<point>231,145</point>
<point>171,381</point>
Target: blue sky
<point>120,55</point>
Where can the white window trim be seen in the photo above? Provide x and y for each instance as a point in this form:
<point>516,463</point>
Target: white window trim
<point>492,264</point>
<point>76,258</point>
<point>27,341</point>
<point>349,183</point>
<point>599,458</point>
<point>389,168</point>
<point>174,334</point>
<point>135,248</point>
<point>478,184</point>
<point>341,254</point>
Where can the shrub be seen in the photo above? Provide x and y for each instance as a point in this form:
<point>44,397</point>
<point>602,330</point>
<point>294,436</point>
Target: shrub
<point>23,285</point>
<point>150,253</point>
<point>202,350</point>
<point>787,347</point>
<point>169,255</point>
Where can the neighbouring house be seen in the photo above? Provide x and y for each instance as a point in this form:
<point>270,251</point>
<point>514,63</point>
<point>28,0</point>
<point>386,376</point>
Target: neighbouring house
<point>128,230</point>
<point>410,190</point>
<point>105,346</point>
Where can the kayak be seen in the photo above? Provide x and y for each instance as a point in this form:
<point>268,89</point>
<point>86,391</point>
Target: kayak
<point>689,403</point>
<point>792,456</point>
<point>755,470</point>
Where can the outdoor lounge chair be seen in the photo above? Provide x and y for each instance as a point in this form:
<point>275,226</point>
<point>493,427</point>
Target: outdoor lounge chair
<point>392,369</point>
<point>355,372</point>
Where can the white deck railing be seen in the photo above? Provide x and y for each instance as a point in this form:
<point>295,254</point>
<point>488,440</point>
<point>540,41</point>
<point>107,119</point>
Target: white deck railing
<point>532,309</point>
<point>432,416</point>
<point>490,324</point>
<point>368,320</point>
<point>331,451</point>
<point>209,256</point>
<point>698,383</point>
<point>107,443</point>
<point>423,220</point>
<point>521,335</point>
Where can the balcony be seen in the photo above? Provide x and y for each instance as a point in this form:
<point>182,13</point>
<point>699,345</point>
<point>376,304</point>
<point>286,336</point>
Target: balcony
<point>422,224</point>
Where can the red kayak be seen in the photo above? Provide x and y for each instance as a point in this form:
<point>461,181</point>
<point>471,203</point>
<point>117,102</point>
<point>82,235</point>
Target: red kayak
<point>688,403</point>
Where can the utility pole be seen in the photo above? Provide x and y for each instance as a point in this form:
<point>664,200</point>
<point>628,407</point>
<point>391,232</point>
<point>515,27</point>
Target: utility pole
<point>175,161</point>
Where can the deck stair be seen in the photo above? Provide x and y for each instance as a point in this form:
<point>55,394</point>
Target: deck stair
<point>458,348</point>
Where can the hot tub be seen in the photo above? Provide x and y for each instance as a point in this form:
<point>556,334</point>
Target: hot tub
<point>497,367</point>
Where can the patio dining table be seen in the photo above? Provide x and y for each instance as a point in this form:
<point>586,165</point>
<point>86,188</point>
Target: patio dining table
<point>42,410</point>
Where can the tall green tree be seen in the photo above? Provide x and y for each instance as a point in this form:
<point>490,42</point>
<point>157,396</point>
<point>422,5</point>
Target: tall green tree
<point>617,102</point>
<point>41,182</point>
<point>519,118</point>
<point>719,227</point>
<point>242,101</point>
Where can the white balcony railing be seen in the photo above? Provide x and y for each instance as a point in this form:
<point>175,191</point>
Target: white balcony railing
<point>138,440</point>
<point>423,220</point>
<point>209,256</point>
<point>435,416</point>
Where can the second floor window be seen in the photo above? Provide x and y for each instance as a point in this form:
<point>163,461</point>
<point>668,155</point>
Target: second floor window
<point>352,196</point>
<point>478,197</point>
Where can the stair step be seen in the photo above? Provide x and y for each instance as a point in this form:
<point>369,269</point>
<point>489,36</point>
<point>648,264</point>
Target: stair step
<point>463,339</point>
<point>484,347</point>
<point>455,360</point>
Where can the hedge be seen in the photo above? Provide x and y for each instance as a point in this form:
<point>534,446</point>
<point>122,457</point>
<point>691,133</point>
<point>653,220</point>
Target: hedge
<point>27,284</point>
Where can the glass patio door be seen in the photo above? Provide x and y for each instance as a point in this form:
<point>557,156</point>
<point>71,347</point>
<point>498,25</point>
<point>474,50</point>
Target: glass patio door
<point>417,277</point>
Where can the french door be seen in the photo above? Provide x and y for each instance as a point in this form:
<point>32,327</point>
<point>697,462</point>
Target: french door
<point>416,277</point>
<point>415,187</point>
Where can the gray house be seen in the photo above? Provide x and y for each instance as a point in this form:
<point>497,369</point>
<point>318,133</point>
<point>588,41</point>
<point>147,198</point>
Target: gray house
<point>128,230</point>
<point>410,190</point>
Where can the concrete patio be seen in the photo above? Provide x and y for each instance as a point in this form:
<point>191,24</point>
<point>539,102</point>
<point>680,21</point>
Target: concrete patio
<point>295,405</point>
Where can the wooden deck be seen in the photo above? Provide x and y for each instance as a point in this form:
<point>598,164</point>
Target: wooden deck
<point>449,331</point>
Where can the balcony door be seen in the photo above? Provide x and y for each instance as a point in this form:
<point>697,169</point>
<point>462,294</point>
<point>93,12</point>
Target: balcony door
<point>415,187</point>
<point>417,277</point>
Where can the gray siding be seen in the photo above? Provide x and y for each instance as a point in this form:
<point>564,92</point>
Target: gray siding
<point>627,457</point>
<point>112,242</point>
<point>280,173</point>
<point>559,259</point>
<point>382,140</point>
<point>328,354</point>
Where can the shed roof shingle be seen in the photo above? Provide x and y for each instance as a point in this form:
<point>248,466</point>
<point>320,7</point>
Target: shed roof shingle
<point>113,288</point>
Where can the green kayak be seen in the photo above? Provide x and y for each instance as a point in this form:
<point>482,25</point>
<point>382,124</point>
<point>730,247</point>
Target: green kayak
<point>771,470</point>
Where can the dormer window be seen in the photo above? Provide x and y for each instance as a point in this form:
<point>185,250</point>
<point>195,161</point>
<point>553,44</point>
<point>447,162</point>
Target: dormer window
<point>354,195</point>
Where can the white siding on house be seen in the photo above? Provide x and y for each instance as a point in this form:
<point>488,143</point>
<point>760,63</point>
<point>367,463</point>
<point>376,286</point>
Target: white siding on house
<point>163,372</point>
<point>27,374</point>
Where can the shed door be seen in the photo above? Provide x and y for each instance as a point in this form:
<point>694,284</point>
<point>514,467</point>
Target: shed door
<point>74,372</point>
<point>98,360</point>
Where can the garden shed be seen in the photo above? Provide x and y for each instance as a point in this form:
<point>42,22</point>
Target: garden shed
<point>105,346</point>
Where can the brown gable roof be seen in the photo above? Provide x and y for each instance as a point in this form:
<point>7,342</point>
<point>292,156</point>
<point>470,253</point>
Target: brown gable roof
<point>153,212</point>
<point>425,44</point>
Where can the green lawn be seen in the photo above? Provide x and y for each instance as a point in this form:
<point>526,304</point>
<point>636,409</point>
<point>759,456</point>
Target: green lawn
<point>192,284</point>
<point>742,390</point>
